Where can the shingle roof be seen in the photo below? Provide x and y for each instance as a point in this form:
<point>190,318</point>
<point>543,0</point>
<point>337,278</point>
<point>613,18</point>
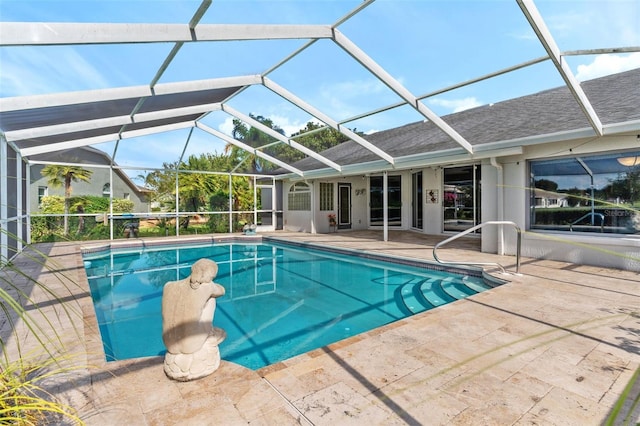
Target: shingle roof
<point>615,98</point>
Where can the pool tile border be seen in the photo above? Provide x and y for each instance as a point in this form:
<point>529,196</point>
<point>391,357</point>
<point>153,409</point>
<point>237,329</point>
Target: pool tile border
<point>417,263</point>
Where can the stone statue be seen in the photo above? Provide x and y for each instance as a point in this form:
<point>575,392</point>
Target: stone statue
<point>188,307</point>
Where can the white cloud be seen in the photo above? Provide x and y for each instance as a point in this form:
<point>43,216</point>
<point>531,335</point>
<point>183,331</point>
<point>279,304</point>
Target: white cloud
<point>354,88</point>
<point>607,64</point>
<point>456,105</point>
<point>31,71</point>
<point>348,98</point>
<point>528,36</point>
<point>286,124</point>
<point>227,126</point>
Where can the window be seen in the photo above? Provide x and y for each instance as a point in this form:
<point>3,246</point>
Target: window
<point>43,191</point>
<point>596,193</point>
<point>106,190</point>
<point>326,196</point>
<point>126,196</point>
<point>300,197</point>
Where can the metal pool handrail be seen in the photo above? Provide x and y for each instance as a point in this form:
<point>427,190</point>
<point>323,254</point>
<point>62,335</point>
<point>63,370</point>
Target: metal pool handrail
<point>468,231</point>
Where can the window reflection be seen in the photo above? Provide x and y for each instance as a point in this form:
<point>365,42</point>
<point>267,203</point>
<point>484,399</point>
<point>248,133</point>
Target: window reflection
<point>599,193</point>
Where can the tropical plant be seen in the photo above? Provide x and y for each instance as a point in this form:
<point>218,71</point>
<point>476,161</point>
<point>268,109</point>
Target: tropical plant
<point>247,161</point>
<point>62,175</point>
<point>162,184</point>
<point>25,370</point>
<point>196,186</point>
<point>48,228</point>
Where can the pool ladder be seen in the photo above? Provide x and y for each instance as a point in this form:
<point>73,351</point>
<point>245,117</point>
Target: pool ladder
<point>470,230</point>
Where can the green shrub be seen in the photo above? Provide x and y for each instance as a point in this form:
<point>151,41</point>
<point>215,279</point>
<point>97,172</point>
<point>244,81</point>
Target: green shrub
<point>120,205</point>
<point>218,223</point>
<point>52,204</point>
<point>47,229</point>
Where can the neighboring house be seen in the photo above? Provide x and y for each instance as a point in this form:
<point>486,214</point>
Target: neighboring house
<point>515,143</point>
<point>99,185</point>
<point>548,199</point>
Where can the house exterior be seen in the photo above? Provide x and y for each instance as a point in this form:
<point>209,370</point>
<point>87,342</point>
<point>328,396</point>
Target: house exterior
<point>100,184</point>
<point>435,187</point>
<point>549,199</point>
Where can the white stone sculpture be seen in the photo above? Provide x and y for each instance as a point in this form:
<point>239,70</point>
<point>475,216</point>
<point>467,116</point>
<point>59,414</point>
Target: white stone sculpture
<point>188,333</point>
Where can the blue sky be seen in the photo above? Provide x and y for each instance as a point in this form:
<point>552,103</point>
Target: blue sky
<point>426,45</point>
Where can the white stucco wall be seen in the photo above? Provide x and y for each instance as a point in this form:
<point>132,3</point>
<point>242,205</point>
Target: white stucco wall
<point>432,181</point>
<point>505,196</point>
<point>489,207</point>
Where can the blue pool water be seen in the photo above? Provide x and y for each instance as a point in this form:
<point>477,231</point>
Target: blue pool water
<point>280,300</point>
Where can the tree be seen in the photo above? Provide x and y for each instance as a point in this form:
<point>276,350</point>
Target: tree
<point>60,175</point>
<point>255,139</point>
<point>314,136</point>
<point>195,188</point>
<point>162,183</point>
<point>320,140</point>
<point>546,185</point>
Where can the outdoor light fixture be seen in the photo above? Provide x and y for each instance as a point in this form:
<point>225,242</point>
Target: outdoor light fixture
<point>629,161</point>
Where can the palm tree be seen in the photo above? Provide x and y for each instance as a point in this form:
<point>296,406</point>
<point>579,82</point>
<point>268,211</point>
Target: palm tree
<point>255,139</point>
<point>60,175</point>
<point>196,189</point>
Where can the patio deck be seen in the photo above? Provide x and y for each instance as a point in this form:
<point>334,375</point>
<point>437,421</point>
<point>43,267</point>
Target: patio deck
<point>557,345</point>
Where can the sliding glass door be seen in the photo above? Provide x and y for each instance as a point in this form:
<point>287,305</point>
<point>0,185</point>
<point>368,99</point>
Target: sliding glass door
<point>376,201</point>
<point>416,200</point>
<point>461,200</point>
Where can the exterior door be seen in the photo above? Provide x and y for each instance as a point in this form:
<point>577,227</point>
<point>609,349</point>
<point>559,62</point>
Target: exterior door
<point>394,200</point>
<point>461,201</point>
<point>344,205</point>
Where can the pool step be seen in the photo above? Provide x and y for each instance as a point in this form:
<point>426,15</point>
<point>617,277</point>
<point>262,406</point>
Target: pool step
<point>456,289</point>
<point>412,297</point>
<point>417,296</point>
<point>475,283</point>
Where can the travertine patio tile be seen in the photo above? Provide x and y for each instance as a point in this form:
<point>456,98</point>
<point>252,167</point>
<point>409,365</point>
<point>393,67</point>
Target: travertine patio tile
<point>424,406</point>
<point>555,346</point>
<point>281,416</point>
<point>588,379</point>
<point>618,386</point>
<point>115,413</point>
<point>562,407</point>
<point>368,372</point>
<point>197,411</point>
<point>135,378</point>
<point>507,403</point>
<point>601,369</point>
<point>297,386</point>
<point>436,373</point>
<point>506,361</point>
<point>340,404</point>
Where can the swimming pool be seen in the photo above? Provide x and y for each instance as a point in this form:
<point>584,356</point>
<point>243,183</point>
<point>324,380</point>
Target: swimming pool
<point>281,300</point>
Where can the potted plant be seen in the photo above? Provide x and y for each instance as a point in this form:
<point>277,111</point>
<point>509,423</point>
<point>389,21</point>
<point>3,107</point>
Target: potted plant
<point>332,220</point>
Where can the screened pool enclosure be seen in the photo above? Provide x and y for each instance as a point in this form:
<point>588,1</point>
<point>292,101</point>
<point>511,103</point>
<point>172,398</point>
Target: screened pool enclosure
<point>209,116</point>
